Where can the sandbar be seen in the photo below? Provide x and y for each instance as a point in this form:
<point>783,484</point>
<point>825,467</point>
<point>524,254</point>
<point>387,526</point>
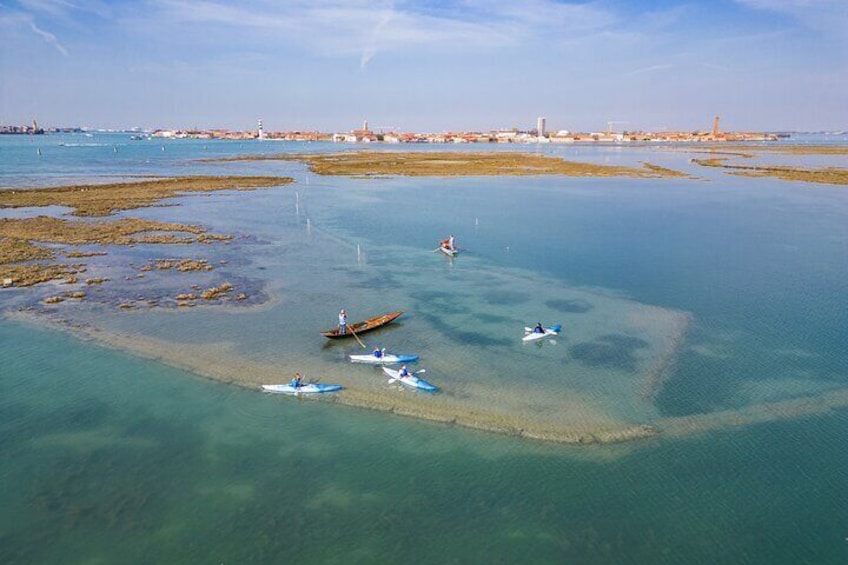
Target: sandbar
<point>825,175</point>
<point>22,263</point>
<point>443,163</point>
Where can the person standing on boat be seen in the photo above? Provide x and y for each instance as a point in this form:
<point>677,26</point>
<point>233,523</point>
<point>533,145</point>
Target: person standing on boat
<point>451,243</point>
<point>342,322</point>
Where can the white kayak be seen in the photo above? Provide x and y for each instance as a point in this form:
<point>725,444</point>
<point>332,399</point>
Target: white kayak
<point>530,335</point>
<point>448,251</point>
<point>385,359</point>
<point>309,388</point>
<point>409,380</point>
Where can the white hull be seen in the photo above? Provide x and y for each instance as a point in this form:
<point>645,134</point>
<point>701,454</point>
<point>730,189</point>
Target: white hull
<point>311,388</point>
<point>409,380</point>
<point>530,335</point>
<point>386,359</point>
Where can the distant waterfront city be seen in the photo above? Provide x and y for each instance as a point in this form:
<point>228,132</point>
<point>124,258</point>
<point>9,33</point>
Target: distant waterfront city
<point>539,134</point>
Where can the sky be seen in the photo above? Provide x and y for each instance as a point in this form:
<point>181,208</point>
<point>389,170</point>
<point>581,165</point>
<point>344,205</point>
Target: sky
<point>426,66</point>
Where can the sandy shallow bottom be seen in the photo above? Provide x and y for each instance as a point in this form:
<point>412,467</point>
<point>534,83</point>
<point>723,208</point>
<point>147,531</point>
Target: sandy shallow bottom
<point>570,418</point>
<point>595,383</point>
<point>598,382</point>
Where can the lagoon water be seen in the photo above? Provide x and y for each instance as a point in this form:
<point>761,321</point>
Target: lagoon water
<point>712,309</point>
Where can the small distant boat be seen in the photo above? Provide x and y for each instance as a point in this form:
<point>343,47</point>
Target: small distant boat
<point>384,359</point>
<point>448,251</point>
<point>363,327</point>
<point>309,388</point>
<point>410,380</point>
<point>530,335</point>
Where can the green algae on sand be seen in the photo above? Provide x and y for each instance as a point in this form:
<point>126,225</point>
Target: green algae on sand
<point>445,163</point>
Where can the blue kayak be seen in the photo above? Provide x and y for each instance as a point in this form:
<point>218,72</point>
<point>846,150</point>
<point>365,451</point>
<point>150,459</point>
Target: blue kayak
<point>385,359</point>
<point>409,380</point>
<point>309,388</point>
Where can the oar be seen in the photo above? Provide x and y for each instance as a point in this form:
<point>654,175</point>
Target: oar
<point>357,337</point>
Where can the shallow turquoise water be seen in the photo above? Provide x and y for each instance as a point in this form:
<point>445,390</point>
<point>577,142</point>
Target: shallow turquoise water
<point>109,458</point>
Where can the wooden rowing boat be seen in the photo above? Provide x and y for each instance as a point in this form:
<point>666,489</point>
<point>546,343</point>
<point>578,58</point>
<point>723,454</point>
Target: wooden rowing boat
<point>363,327</point>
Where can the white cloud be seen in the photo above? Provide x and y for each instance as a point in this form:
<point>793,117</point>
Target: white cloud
<point>651,69</point>
<point>49,38</point>
<point>64,9</point>
<point>370,48</point>
<point>363,28</point>
<point>830,16</point>
<point>49,7</point>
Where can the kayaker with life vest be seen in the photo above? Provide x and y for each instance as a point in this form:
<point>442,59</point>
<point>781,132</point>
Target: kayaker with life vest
<point>539,329</point>
<point>378,353</point>
<point>297,381</point>
<point>342,322</point>
<point>403,372</point>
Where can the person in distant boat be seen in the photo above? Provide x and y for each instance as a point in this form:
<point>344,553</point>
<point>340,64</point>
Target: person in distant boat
<point>342,322</point>
<point>297,381</point>
<point>451,243</point>
<point>538,329</point>
<point>378,353</point>
<point>403,372</point>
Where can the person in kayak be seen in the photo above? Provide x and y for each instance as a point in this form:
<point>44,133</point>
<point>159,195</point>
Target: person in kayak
<point>451,243</point>
<point>342,322</point>
<point>378,353</point>
<point>297,381</point>
<point>403,372</point>
<point>538,329</point>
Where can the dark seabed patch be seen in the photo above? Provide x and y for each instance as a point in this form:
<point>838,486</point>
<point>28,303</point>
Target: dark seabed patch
<point>96,475</point>
<point>381,281</point>
<point>158,290</point>
<point>488,282</point>
<point>614,351</point>
<point>575,306</point>
<point>464,337</point>
<point>94,413</point>
<point>447,302</point>
<point>504,297</point>
<point>487,318</point>
<point>701,384</point>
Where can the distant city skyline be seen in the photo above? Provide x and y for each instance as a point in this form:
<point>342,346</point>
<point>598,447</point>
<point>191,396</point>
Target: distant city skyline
<point>472,65</point>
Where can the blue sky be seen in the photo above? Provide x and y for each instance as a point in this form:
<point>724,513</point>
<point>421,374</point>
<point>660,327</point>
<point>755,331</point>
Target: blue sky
<point>426,66</point>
